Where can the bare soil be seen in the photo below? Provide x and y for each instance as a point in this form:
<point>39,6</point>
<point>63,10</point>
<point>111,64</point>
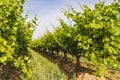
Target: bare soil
<point>83,72</point>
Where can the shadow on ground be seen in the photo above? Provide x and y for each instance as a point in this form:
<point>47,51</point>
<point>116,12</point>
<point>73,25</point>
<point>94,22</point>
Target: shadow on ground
<point>69,67</point>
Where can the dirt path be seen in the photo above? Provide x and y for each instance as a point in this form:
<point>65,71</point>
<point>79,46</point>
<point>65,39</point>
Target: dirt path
<point>84,72</point>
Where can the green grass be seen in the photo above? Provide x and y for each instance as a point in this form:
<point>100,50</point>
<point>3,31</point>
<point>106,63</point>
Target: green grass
<point>45,70</point>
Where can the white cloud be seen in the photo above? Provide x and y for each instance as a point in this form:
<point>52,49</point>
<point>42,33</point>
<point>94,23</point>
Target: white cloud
<point>49,16</point>
<point>46,22</point>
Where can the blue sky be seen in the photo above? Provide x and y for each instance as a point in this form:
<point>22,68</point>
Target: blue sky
<point>48,11</point>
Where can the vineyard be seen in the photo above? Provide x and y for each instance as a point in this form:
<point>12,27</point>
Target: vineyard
<point>92,35</point>
<point>15,36</point>
<point>95,35</point>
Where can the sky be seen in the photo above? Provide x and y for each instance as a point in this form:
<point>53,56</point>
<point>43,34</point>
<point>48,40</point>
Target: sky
<point>48,12</point>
